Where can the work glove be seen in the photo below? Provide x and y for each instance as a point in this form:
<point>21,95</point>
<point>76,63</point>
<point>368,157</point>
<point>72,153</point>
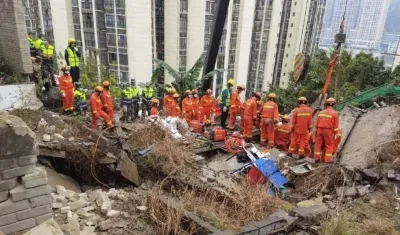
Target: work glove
<point>225,109</point>
<point>63,94</point>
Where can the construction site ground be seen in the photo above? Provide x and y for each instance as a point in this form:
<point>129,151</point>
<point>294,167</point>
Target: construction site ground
<point>158,185</point>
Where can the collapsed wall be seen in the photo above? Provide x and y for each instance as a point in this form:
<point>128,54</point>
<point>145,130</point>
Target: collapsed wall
<point>372,129</point>
<point>24,196</point>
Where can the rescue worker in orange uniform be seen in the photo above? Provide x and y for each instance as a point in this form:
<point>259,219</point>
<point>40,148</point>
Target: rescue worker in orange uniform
<point>207,102</point>
<point>301,126</point>
<point>187,108</point>
<point>154,108</point>
<point>195,105</point>
<point>269,116</point>
<point>327,127</point>
<point>107,100</point>
<point>234,110</point>
<point>175,110</point>
<point>282,134</point>
<point>97,109</point>
<point>168,99</point>
<point>250,116</point>
<point>66,87</point>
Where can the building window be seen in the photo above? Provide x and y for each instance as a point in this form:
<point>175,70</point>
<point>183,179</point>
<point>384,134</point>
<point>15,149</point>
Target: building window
<point>291,25</point>
<point>75,17</point>
<point>208,27</point>
<point>184,6</point>
<point>112,57</point>
<point>182,43</point>
<point>121,23</point>
<point>87,5</point>
<point>206,43</point>
<point>120,4</point>
<point>234,27</point>
<point>254,66</point>
<point>111,40</point>
<point>261,67</point>
<point>87,21</point>
<point>285,65</point>
<point>294,13</point>
<point>262,3</point>
<point>257,26</point>
<point>78,36</point>
<point>295,3</point>
<point>182,61</point>
<point>89,39</point>
<point>284,74</point>
<point>110,21</point>
<point>183,25</point>
<point>75,3</point>
<point>287,55</point>
<point>122,42</point>
<point>288,45</point>
<point>109,4</point>
<point>123,59</point>
<point>290,35</point>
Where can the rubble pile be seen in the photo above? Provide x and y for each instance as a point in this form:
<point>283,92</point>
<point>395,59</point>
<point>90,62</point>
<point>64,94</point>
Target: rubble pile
<point>24,196</point>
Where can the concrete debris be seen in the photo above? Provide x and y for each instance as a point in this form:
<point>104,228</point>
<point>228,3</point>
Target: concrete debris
<point>79,204</point>
<point>113,213</point>
<point>58,136</point>
<point>362,190</point>
<point>106,225</point>
<point>146,151</point>
<point>56,205</point>
<point>71,139</point>
<point>142,208</point>
<point>301,169</point>
<point>312,211</point>
<point>129,170</point>
<point>50,227</point>
<point>46,138</point>
<point>346,191</point>
<point>108,159</point>
<point>311,202</point>
<point>370,175</point>
<point>391,174</point>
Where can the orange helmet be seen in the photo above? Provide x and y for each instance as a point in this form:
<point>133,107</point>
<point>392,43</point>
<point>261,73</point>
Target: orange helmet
<point>285,118</point>
<point>302,100</point>
<point>241,86</point>
<point>155,101</point>
<point>330,101</point>
<point>106,83</point>
<point>194,91</point>
<point>208,92</point>
<point>272,96</point>
<point>98,89</point>
<point>176,95</point>
<point>171,90</point>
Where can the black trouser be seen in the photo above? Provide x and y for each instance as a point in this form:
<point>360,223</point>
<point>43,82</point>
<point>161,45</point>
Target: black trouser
<point>145,107</point>
<point>224,116</point>
<point>75,74</point>
<point>135,108</point>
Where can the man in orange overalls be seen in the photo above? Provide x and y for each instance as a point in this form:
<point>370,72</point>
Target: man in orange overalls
<point>96,108</point>
<point>107,100</point>
<point>187,108</point>
<point>154,108</point>
<point>168,99</point>
<point>250,116</point>
<point>234,110</point>
<point>175,110</point>
<point>282,134</point>
<point>207,102</point>
<point>301,126</point>
<point>195,105</point>
<point>327,127</point>
<point>66,87</point>
<point>269,116</point>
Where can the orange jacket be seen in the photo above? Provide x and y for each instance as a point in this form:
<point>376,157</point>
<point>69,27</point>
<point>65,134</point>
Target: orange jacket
<point>235,99</point>
<point>65,83</point>
<point>195,102</point>
<point>250,108</point>
<point>207,101</point>
<point>302,119</point>
<point>270,110</point>
<point>95,103</point>
<point>168,100</point>
<point>154,110</point>
<point>328,119</point>
<point>282,133</point>
<point>187,105</point>
<point>175,110</point>
<point>106,99</point>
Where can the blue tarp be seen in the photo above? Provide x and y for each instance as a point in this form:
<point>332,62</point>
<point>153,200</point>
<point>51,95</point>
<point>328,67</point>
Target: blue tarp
<point>268,168</point>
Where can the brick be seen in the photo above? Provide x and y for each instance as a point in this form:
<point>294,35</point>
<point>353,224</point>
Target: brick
<point>37,178</point>
<point>7,164</point>
<point>27,160</point>
<point>34,212</point>
<point>40,201</point>
<point>43,218</point>
<point>18,171</point>
<point>3,196</point>
<point>81,203</point>
<point>18,226</point>
<point>6,185</point>
<point>20,193</point>
<point>9,206</point>
<point>8,219</point>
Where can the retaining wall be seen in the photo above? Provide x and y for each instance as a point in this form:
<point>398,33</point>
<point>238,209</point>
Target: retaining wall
<point>24,196</point>
<point>18,96</point>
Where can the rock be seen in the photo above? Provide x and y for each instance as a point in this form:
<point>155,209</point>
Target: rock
<point>72,228</point>
<point>370,175</point>
<point>65,209</point>
<point>113,213</point>
<point>397,177</point>
<point>56,205</point>
<point>294,197</point>
<point>311,202</point>
<point>142,208</point>
<point>372,201</point>
<point>105,225</point>
<point>125,215</point>
<point>346,191</point>
<point>362,190</point>
<point>71,139</point>
<point>358,177</point>
<point>79,204</point>
<point>311,212</point>
<point>331,205</point>
<point>69,214</point>
<point>105,207</point>
<point>46,138</point>
<point>83,214</point>
<point>144,187</point>
<point>129,171</point>
<point>89,228</point>
<point>112,193</point>
<point>314,229</point>
<point>50,227</point>
<point>89,223</point>
<point>95,219</point>
<point>108,159</point>
<point>122,197</point>
<point>61,191</point>
<point>87,209</point>
<point>120,224</point>
<point>391,174</point>
<point>327,197</point>
<point>102,197</point>
<point>58,136</point>
<point>211,180</point>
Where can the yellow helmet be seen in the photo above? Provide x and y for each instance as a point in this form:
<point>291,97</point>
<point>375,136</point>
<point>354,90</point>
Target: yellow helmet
<point>302,99</point>
<point>155,101</point>
<point>106,83</point>
<point>286,118</point>
<point>272,95</point>
<point>71,40</point>
<point>209,91</point>
<point>98,89</point>
<point>241,86</point>
<point>176,95</point>
<point>231,82</point>
<point>331,101</point>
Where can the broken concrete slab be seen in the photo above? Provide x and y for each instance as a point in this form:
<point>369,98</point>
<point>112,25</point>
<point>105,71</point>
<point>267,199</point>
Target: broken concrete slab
<point>370,175</point>
<point>362,190</point>
<point>391,174</point>
<point>346,191</point>
<point>129,170</point>
<point>348,118</point>
<point>382,128</point>
<point>311,202</point>
<point>108,159</point>
<point>50,227</point>
<point>312,212</point>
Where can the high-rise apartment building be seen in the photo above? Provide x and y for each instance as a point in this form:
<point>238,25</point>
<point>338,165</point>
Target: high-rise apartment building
<point>314,26</point>
<point>364,23</point>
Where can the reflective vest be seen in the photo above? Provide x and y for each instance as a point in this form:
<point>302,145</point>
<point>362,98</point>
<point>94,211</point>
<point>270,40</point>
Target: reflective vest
<point>37,43</point>
<point>127,93</point>
<point>30,41</point>
<point>81,96</point>
<point>47,51</point>
<point>228,98</point>
<point>148,92</point>
<point>73,59</point>
<point>135,91</point>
